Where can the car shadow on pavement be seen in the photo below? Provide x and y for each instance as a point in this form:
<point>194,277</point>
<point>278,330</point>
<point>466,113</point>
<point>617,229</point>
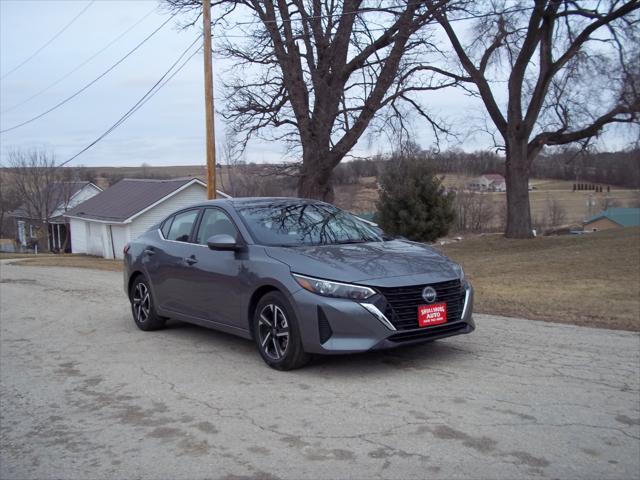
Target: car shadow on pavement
<point>425,356</point>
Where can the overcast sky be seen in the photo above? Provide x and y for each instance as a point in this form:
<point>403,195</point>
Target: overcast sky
<point>169,129</point>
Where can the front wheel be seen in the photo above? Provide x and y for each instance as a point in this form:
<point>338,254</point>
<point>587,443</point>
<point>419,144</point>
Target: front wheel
<point>142,307</point>
<point>277,333</point>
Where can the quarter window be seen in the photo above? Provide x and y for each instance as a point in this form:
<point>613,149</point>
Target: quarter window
<point>165,227</point>
<point>181,227</point>
<point>215,222</point>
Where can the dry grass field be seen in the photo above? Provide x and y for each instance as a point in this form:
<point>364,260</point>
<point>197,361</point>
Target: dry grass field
<point>67,260</point>
<point>591,279</point>
<point>362,197</point>
<point>547,191</point>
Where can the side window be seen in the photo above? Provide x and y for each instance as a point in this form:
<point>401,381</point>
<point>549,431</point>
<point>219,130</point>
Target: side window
<point>166,226</point>
<point>215,222</point>
<point>181,226</point>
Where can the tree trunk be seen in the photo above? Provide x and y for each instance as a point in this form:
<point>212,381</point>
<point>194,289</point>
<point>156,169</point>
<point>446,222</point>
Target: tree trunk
<point>315,176</point>
<point>517,180</point>
<point>67,238</point>
<point>48,239</point>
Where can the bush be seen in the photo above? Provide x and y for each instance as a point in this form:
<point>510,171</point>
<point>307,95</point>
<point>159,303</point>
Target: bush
<point>413,203</point>
<point>474,211</point>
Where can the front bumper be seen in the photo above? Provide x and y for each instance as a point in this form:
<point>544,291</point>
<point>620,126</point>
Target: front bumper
<point>356,328</point>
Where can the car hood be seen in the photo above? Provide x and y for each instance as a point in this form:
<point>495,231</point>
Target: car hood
<point>375,263</point>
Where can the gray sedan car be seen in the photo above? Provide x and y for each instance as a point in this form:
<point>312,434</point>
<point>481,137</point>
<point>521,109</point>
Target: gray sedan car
<point>299,277</point>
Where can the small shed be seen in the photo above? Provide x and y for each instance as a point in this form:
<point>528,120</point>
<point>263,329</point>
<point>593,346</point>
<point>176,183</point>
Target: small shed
<point>104,224</point>
<point>614,218</point>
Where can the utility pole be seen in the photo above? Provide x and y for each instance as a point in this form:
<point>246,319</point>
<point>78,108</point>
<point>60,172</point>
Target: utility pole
<point>210,131</point>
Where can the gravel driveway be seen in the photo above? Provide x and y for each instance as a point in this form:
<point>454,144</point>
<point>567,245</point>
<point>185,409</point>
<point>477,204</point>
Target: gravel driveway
<point>85,394</point>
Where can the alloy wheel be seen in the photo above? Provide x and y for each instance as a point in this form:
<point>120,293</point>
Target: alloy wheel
<point>141,303</point>
<point>273,331</point>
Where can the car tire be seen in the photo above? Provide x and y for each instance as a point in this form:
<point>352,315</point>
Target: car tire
<point>142,306</point>
<point>277,333</point>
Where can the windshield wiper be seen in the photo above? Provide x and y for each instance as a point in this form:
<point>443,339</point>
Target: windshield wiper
<point>348,242</point>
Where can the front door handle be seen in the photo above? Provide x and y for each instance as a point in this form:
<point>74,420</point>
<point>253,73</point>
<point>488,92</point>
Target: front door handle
<point>191,260</point>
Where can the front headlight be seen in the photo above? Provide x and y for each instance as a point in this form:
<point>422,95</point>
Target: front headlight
<point>458,269</point>
<point>328,288</point>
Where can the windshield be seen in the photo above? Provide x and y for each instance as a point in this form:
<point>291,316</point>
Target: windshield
<point>288,224</point>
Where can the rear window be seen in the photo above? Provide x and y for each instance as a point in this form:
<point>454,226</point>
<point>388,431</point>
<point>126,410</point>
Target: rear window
<point>180,229</point>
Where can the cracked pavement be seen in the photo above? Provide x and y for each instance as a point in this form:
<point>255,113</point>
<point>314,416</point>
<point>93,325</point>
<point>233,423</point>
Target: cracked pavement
<point>85,394</point>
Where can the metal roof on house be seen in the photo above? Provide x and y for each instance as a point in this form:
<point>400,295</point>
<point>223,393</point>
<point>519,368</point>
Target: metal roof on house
<point>625,217</point>
<point>129,197</point>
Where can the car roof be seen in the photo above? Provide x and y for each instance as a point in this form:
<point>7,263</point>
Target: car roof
<point>259,201</point>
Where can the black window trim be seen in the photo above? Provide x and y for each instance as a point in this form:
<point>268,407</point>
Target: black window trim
<point>239,237</point>
<point>172,218</point>
<point>169,221</point>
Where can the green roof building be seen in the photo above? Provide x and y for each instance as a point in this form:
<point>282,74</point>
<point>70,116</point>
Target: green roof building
<point>614,218</point>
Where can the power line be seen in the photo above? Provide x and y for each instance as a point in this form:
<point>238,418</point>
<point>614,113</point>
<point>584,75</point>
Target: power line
<point>79,66</point>
<point>59,104</point>
<point>162,81</point>
<point>51,40</point>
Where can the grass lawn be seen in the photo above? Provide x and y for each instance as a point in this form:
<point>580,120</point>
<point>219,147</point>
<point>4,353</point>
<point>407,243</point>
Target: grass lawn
<point>76,261</point>
<point>591,279</point>
<point>9,256</point>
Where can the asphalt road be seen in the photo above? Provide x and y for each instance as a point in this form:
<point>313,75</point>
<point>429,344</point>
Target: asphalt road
<point>85,394</point>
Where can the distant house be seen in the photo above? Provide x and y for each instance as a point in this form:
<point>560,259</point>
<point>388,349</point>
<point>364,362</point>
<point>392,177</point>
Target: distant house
<point>614,218</point>
<point>489,182</point>
<point>59,198</point>
<point>104,224</point>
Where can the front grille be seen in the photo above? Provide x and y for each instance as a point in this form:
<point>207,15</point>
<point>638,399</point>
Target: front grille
<point>403,302</point>
<point>424,333</point>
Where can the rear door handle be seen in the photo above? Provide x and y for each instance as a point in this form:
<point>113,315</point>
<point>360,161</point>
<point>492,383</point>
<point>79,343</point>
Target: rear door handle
<point>149,251</point>
<point>191,260</point>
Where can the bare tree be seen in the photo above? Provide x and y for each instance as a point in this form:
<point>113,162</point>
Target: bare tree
<point>9,201</point>
<point>34,176</point>
<point>474,211</point>
<point>569,67</point>
<point>230,160</point>
<point>318,73</point>
<point>556,213</point>
<point>145,170</point>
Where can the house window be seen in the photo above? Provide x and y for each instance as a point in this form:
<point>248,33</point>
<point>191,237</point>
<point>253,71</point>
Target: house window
<point>30,231</point>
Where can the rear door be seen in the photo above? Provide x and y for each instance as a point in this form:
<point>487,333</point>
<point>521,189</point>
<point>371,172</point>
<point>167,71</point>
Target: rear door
<point>169,261</point>
<point>214,286</point>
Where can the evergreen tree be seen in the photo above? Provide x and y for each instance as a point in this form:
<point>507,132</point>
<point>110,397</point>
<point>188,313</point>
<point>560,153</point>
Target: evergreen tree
<point>413,203</point>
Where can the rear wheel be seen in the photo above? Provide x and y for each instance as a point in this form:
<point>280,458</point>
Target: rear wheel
<point>142,306</point>
<point>277,333</point>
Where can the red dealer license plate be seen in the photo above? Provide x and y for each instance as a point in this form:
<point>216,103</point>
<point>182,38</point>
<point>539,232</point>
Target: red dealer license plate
<point>434,314</point>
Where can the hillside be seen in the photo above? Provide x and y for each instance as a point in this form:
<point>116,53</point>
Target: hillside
<point>591,279</point>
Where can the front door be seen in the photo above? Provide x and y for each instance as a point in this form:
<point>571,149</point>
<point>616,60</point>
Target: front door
<point>214,284</point>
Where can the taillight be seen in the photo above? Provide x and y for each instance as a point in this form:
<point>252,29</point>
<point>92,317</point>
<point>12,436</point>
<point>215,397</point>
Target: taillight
<point>125,250</point>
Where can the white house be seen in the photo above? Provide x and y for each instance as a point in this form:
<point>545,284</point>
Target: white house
<point>61,197</point>
<point>489,182</point>
<point>104,224</point>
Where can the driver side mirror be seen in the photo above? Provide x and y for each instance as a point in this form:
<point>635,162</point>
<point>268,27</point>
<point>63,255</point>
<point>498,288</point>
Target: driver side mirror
<point>223,242</point>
